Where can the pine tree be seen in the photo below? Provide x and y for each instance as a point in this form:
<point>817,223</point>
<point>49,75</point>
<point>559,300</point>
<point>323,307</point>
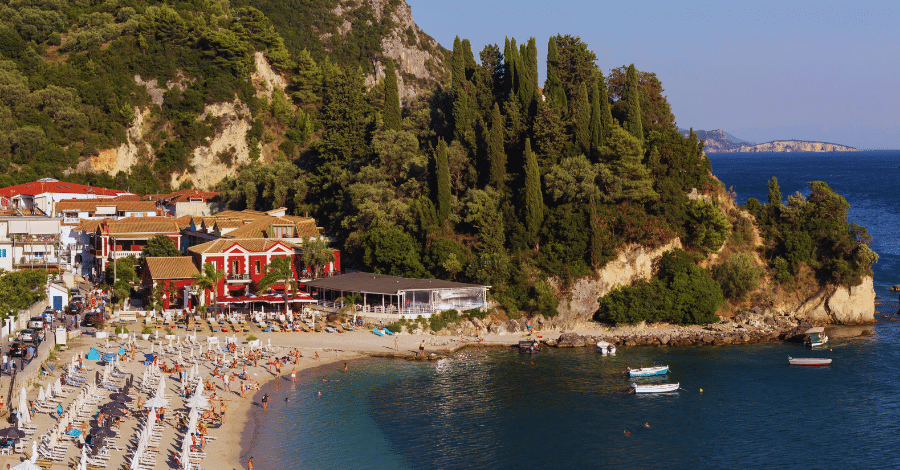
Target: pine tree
<point>582,120</point>
<point>307,82</point>
<point>442,174</point>
<point>632,176</point>
<point>596,124</point>
<point>496,152</point>
<point>534,203</point>
<point>631,95</point>
<point>553,89</point>
<point>391,97</point>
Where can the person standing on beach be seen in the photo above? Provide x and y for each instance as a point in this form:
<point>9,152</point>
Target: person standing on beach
<point>225,382</point>
<point>265,401</point>
<point>293,376</point>
<point>396,344</point>
<point>250,464</point>
<point>421,349</point>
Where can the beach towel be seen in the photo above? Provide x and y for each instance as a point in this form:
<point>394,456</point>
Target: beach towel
<point>74,432</point>
<point>93,355</point>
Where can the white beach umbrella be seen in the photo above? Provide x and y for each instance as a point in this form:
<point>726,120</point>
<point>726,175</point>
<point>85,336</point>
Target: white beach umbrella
<point>197,401</point>
<point>156,402</point>
<point>33,451</point>
<point>57,387</point>
<point>151,347</point>
<point>192,351</point>
<point>161,389</point>
<point>180,358</point>
<point>83,464</point>
<point>186,452</point>
<point>24,415</point>
<point>41,395</point>
<point>27,465</point>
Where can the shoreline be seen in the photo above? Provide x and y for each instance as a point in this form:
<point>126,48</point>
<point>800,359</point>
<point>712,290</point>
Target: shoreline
<point>362,346</point>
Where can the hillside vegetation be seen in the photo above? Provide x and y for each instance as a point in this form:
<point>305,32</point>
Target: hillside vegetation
<point>479,178</point>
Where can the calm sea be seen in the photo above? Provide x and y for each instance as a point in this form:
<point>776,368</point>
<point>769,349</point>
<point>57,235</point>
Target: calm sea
<point>495,409</point>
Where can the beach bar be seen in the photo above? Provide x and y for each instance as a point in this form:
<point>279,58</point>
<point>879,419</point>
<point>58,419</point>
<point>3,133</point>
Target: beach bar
<point>402,297</point>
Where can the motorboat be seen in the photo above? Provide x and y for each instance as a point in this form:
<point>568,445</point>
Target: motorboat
<point>809,361</point>
<point>815,337</point>
<point>647,371</point>
<point>660,388</point>
<point>606,348</point>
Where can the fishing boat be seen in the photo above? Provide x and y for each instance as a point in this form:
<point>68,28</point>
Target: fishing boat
<point>606,348</point>
<point>815,337</point>
<point>647,371</point>
<point>809,361</point>
<point>655,388</point>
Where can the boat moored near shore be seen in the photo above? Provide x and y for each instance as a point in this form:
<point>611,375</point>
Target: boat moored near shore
<point>809,361</point>
<point>661,388</point>
<point>647,371</point>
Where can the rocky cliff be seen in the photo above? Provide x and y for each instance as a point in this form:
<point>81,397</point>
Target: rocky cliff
<point>837,305</point>
<point>794,146</point>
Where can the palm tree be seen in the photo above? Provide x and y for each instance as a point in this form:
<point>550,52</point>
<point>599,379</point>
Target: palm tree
<point>208,279</point>
<point>279,269</point>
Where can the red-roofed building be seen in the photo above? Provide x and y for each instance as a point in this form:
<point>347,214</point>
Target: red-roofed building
<point>43,194</point>
<point>187,202</point>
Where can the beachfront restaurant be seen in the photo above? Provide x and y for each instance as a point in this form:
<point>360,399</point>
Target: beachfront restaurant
<point>390,295</point>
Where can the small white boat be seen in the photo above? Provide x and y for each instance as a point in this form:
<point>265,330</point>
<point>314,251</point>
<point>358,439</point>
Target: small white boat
<point>647,371</point>
<point>655,388</point>
<point>809,361</point>
<point>815,337</point>
<point>606,348</point>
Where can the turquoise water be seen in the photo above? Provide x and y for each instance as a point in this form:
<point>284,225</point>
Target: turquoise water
<point>492,408</point>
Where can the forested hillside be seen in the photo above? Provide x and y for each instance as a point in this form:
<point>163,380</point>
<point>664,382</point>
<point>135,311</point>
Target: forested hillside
<point>480,176</point>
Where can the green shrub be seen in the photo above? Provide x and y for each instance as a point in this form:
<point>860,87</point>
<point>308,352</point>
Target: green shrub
<point>439,321</point>
<point>475,313</point>
<point>121,329</point>
<point>146,330</point>
<point>738,275</point>
<point>252,338</point>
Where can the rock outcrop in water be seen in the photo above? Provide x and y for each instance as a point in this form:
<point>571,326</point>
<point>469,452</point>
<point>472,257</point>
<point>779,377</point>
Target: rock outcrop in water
<point>839,305</point>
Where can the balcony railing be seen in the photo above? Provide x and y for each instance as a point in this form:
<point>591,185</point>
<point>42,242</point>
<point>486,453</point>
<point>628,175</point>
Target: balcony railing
<point>71,220</point>
<point>238,277</point>
<point>37,261</point>
<point>26,238</point>
<point>124,254</point>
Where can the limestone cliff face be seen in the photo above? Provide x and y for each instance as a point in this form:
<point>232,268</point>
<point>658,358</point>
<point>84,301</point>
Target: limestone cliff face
<point>635,262</point>
<point>794,146</point>
<point>419,59</point>
<point>838,305</point>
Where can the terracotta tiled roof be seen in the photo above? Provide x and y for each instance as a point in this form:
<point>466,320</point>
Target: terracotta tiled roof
<point>91,205</point>
<point>257,245</point>
<point>184,195</point>
<point>259,228</point>
<point>152,225</point>
<point>39,187</point>
<point>175,267</point>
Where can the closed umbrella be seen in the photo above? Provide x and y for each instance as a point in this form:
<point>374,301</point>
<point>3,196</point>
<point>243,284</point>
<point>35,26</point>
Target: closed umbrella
<point>161,390</point>
<point>57,387</point>
<point>41,395</point>
<point>24,415</point>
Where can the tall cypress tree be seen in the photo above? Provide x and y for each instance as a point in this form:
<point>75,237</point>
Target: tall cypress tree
<point>534,202</point>
<point>774,191</point>
<point>528,75</point>
<point>633,104</point>
<point>511,57</point>
<point>583,120</point>
<point>457,65</point>
<point>553,89</point>
<point>596,124</point>
<point>496,152</point>
<point>606,119</point>
<point>463,123</point>
<point>468,59</point>
<point>391,97</point>
<point>442,174</point>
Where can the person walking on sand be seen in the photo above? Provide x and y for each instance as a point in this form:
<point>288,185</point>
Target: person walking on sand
<point>265,401</point>
<point>250,464</point>
<point>317,355</point>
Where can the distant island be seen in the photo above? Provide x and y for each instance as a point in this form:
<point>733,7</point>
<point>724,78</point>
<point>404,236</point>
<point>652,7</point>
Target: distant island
<point>721,141</point>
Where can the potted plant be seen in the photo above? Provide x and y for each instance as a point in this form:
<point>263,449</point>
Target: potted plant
<point>146,331</point>
<point>122,332</point>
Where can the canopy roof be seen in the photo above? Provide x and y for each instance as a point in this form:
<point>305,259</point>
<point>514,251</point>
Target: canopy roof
<point>387,285</point>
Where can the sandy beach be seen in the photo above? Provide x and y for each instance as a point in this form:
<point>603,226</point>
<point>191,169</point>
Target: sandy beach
<point>227,442</point>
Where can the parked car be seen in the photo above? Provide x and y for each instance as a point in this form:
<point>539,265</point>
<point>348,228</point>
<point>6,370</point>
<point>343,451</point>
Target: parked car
<point>36,323</point>
<point>17,350</point>
<point>26,335</point>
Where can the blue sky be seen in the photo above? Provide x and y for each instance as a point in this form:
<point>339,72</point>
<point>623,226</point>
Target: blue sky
<point>809,70</point>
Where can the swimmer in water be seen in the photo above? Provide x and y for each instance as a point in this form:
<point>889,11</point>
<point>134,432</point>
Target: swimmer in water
<point>286,399</point>
<point>320,394</point>
<point>646,425</point>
